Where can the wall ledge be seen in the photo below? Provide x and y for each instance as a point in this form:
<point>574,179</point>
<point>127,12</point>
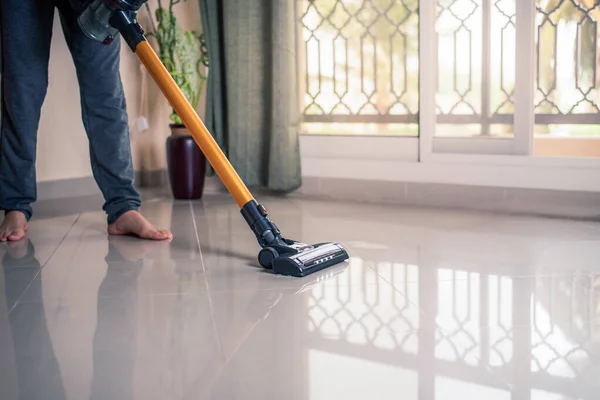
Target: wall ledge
<point>504,200</point>
<point>538,202</point>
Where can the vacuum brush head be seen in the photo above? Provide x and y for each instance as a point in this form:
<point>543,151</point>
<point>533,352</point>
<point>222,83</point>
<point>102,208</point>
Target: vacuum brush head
<point>284,256</point>
<point>309,259</point>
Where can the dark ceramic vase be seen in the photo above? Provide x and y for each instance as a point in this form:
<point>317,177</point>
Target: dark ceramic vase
<point>186,164</point>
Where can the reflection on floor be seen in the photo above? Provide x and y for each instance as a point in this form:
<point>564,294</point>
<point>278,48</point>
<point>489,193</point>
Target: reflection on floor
<point>432,305</point>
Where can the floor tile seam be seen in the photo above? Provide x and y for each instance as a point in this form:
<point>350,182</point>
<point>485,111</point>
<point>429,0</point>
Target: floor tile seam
<point>544,276</point>
<point>283,289</point>
<point>489,368</point>
<point>481,364</point>
<point>592,226</point>
<point>43,265</point>
<point>287,290</point>
<point>299,289</point>
<point>396,283</point>
<point>437,326</point>
<point>396,289</point>
<point>498,378</point>
<point>155,260</point>
<point>215,328</point>
<point>139,296</point>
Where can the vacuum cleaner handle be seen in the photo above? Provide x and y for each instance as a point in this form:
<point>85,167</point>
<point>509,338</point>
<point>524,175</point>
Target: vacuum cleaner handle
<point>198,130</point>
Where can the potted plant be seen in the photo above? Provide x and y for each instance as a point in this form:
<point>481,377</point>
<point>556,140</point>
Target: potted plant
<point>185,56</point>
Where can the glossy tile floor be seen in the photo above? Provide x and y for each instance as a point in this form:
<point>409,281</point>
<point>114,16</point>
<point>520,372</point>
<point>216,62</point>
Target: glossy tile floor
<point>433,304</point>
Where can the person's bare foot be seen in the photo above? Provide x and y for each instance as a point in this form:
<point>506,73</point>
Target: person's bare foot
<point>13,227</point>
<point>132,250</point>
<point>133,223</point>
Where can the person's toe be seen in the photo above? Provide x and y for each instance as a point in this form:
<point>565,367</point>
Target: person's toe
<point>157,234</point>
<point>16,235</point>
<point>166,233</point>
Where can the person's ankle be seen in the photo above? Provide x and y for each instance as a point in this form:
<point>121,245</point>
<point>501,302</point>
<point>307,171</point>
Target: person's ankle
<point>14,212</point>
<point>119,216</point>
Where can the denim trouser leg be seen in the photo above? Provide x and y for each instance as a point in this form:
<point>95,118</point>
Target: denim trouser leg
<point>104,115</point>
<point>26,36</point>
<point>26,31</point>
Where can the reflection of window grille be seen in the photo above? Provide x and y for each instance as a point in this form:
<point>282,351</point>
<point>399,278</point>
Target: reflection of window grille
<point>364,314</point>
<point>479,321</point>
<point>476,314</point>
<point>563,328</point>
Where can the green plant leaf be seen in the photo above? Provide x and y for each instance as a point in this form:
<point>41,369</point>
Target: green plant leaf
<point>182,52</point>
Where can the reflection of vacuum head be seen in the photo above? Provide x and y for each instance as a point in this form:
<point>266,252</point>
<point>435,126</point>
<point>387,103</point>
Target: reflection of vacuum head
<point>101,20</point>
<point>265,299</point>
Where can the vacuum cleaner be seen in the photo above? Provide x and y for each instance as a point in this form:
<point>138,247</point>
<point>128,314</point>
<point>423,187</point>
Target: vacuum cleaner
<point>103,21</point>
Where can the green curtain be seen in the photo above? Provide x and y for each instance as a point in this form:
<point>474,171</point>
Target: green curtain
<point>252,105</point>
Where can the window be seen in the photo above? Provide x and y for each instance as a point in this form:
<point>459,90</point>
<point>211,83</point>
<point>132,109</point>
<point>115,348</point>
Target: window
<point>476,67</point>
<point>452,73</point>
<point>566,77</point>
<point>361,67</point>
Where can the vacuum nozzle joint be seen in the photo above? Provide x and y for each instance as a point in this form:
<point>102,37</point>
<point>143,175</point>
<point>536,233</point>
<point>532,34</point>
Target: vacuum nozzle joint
<point>125,22</point>
<point>265,230</point>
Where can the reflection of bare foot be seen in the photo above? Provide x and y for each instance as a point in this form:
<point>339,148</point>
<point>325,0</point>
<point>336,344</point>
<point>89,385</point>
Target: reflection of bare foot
<point>133,250</point>
<point>133,223</point>
<point>17,249</point>
<point>13,227</point>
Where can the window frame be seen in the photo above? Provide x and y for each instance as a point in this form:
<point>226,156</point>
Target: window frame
<point>498,155</point>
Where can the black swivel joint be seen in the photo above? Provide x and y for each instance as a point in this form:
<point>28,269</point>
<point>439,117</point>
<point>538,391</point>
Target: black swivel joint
<point>125,22</point>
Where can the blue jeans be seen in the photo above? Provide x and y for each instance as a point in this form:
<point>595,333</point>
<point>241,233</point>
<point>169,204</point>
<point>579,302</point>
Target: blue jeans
<point>26,32</point>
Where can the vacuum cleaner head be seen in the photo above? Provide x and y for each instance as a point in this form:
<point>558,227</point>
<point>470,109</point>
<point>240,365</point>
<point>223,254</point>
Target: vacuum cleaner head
<point>284,256</point>
<point>302,259</point>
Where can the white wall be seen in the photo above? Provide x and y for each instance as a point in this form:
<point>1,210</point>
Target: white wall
<point>62,142</point>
